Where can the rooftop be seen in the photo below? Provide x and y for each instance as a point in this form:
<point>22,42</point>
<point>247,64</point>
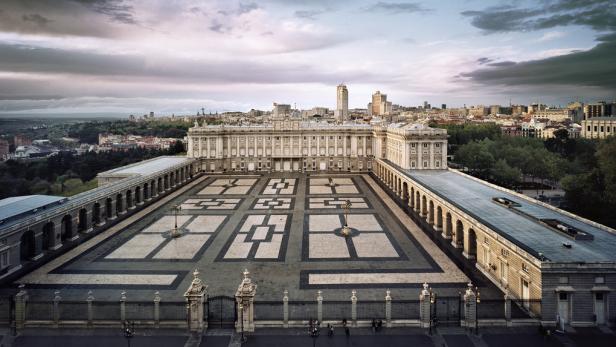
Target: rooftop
<point>18,205</point>
<point>522,225</point>
<point>147,167</point>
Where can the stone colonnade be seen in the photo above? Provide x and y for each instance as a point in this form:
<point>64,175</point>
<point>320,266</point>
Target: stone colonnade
<point>444,218</point>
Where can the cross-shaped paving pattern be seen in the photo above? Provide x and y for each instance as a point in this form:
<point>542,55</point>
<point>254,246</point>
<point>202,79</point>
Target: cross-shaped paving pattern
<point>273,204</point>
<point>280,186</point>
<point>210,204</point>
<point>229,186</point>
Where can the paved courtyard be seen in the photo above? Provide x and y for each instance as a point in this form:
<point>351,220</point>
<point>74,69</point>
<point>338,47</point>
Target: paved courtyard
<point>286,229</point>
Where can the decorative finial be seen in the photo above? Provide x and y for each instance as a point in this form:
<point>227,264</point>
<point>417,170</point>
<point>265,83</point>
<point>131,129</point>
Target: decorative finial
<point>246,273</point>
<point>196,273</point>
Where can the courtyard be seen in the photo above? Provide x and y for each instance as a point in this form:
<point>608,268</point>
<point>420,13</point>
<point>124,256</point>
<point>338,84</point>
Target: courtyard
<point>286,229</point>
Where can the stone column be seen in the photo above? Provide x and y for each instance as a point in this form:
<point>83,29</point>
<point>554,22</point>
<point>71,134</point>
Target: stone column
<point>56,308</point>
<point>89,300</point>
<point>155,185</point>
<point>285,309</point>
<point>470,306</point>
<point>74,235</point>
<point>123,306</point>
<point>55,239</point>
<point>139,194</point>
<point>424,306</point>
<point>156,309</point>
<point>388,309</point>
<point>507,308</point>
<point>89,224</point>
<point>354,308</point>
<point>38,245</point>
<point>112,207</point>
<point>20,307</point>
<point>122,204</point>
<point>244,297</point>
<point>320,306</point>
<point>195,297</point>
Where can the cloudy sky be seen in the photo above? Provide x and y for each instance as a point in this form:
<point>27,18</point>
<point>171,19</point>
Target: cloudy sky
<point>173,56</point>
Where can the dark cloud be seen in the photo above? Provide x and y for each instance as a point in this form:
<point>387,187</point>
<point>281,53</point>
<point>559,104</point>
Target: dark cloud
<point>483,60</point>
<point>595,68</point>
<point>36,18</point>
<point>597,14</point>
<point>398,7</point>
<point>100,18</point>
<point>37,60</point>
<point>502,63</point>
<point>309,14</point>
<point>245,8</point>
<point>117,10</point>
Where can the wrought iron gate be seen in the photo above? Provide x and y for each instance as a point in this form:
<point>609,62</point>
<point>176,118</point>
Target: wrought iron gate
<point>221,312</point>
<point>447,311</point>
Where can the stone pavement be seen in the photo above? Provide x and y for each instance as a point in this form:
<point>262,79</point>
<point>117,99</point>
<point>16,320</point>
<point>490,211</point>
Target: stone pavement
<point>442,337</point>
<point>284,228</point>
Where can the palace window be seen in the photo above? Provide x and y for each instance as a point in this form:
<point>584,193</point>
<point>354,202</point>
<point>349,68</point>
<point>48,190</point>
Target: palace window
<point>4,259</point>
<point>524,267</point>
<point>438,145</point>
<point>599,280</point>
<point>504,253</point>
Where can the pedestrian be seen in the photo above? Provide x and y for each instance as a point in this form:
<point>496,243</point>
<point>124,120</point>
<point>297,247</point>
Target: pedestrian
<point>373,326</point>
<point>347,332</point>
<point>330,330</point>
<point>379,325</point>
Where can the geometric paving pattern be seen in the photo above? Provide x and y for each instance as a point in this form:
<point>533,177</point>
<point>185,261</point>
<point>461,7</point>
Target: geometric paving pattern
<point>280,186</point>
<point>287,237</point>
<point>337,202</point>
<point>229,186</point>
<point>259,237</point>
<point>210,204</point>
<point>369,240</point>
<point>153,242</point>
<point>273,204</point>
<point>332,186</point>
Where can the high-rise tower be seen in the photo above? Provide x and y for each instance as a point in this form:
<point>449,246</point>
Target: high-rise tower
<point>342,103</point>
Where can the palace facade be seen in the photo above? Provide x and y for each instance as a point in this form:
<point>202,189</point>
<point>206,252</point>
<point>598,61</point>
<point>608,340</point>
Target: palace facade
<point>292,145</point>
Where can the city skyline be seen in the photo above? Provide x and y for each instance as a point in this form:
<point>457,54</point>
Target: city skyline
<point>114,56</point>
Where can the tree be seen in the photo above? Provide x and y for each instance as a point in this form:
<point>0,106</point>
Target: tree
<point>505,174</point>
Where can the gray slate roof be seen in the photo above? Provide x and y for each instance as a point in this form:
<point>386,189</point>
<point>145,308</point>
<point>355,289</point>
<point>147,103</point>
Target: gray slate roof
<point>475,198</point>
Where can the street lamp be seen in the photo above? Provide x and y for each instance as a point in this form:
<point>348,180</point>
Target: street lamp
<point>477,300</point>
<point>129,331</point>
<point>346,231</point>
<point>175,232</point>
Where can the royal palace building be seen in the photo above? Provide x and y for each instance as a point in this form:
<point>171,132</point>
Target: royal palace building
<point>555,264</point>
<point>288,144</point>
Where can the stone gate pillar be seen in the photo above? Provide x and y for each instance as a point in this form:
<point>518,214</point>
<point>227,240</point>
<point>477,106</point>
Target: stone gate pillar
<point>424,306</point>
<point>285,308</point>
<point>20,307</point>
<point>320,306</point>
<point>244,298</point>
<point>470,306</point>
<point>388,308</point>
<point>195,297</point>
<point>354,308</point>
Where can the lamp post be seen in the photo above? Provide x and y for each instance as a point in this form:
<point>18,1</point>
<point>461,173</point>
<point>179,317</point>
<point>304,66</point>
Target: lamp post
<point>346,231</point>
<point>478,300</point>
<point>129,331</point>
<point>175,232</point>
